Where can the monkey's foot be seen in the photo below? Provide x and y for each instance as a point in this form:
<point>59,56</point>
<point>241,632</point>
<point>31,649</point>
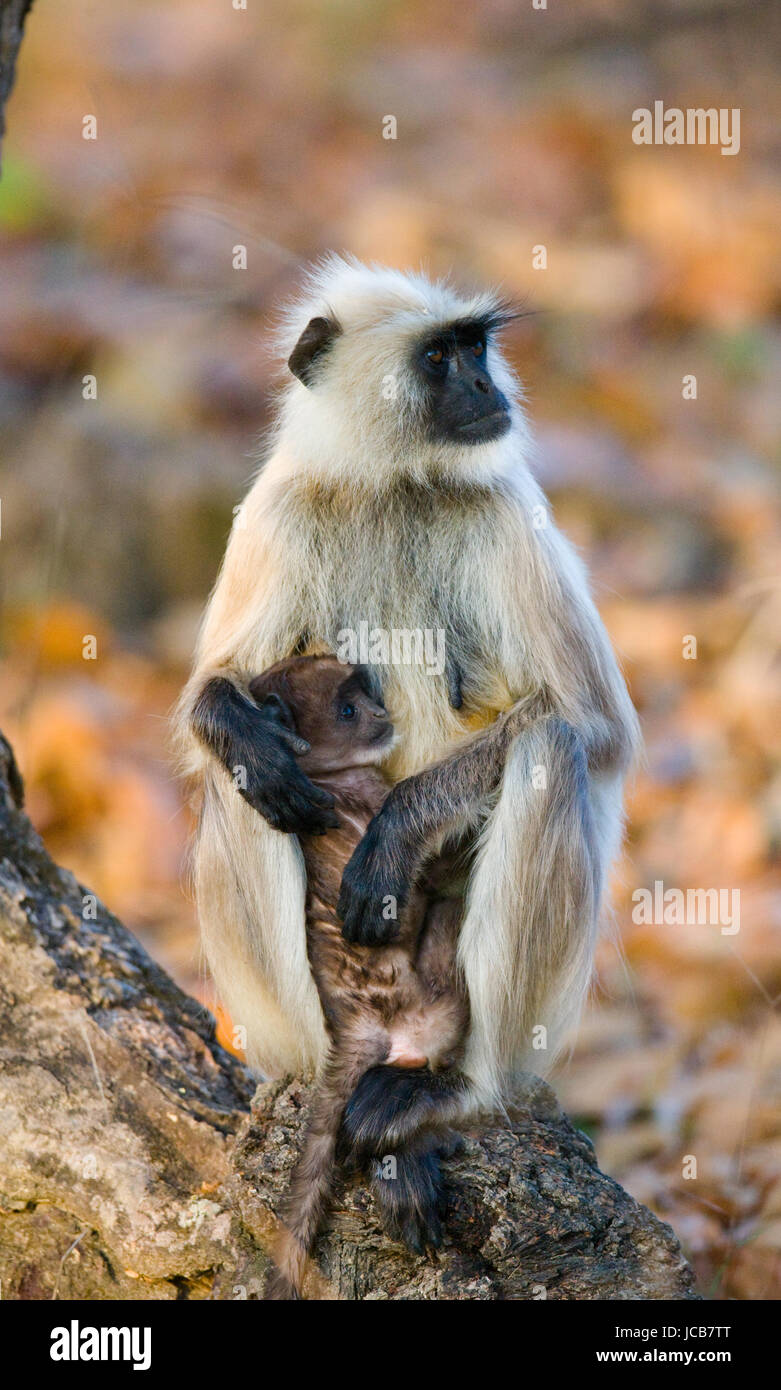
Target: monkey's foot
<point>450,1143</point>
<point>408,1189</point>
<point>391,1104</point>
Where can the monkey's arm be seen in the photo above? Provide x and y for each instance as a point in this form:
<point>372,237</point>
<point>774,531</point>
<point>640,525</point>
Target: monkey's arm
<point>419,809</point>
<point>260,754</point>
<point>250,623</point>
<point>388,858</point>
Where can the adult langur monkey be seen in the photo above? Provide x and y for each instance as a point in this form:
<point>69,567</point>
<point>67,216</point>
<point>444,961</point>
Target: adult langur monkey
<point>396,494</point>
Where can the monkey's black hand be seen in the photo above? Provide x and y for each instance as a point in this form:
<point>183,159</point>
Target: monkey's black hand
<point>260,755</point>
<point>278,789</point>
<point>376,885</point>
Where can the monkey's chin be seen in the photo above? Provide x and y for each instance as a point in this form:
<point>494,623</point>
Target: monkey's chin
<point>485,430</point>
<point>385,746</point>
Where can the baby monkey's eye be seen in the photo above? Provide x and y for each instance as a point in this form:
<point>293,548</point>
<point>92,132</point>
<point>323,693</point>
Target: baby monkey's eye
<point>347,712</point>
<point>479,348</point>
<point>435,355</point>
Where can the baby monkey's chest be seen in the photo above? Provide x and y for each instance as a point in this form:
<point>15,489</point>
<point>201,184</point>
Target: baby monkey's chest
<point>358,979</point>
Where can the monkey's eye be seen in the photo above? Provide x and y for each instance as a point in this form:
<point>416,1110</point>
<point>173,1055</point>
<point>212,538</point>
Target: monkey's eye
<point>347,712</point>
<point>479,348</point>
<point>435,355</point>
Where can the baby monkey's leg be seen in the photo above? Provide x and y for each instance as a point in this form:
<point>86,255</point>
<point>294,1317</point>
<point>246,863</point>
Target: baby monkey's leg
<point>399,1118</point>
<point>437,959</point>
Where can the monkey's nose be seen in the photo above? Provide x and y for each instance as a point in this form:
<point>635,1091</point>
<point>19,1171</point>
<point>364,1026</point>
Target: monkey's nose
<point>482,385</point>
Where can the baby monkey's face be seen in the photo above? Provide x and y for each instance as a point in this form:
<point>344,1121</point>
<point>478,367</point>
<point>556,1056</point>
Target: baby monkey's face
<point>336,708</point>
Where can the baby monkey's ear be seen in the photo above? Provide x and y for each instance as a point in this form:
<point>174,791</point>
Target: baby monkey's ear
<point>273,706</point>
<point>370,683</point>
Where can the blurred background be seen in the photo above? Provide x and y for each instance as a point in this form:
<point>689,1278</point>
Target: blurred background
<point>220,127</point>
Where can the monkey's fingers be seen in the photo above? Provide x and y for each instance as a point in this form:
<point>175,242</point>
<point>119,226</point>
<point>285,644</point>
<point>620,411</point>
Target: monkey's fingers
<point>295,807</point>
<point>310,809</point>
<point>319,794</point>
<point>421,1228</point>
<point>362,918</point>
<point>375,886</point>
<point>296,744</point>
<point>295,784</point>
<point>281,776</point>
<point>365,898</point>
<point>295,815</point>
<point>302,823</point>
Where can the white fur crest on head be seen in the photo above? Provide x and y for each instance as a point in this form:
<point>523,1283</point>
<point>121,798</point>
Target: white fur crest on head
<point>368,296</point>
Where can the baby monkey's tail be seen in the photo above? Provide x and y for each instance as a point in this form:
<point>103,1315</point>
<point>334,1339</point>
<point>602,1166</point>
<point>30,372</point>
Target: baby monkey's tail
<point>310,1186</point>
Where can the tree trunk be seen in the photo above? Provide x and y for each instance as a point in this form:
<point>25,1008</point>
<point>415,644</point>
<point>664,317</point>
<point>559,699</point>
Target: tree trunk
<point>12,16</point>
<point>133,1166</point>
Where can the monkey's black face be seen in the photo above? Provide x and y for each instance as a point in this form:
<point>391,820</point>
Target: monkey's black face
<point>464,404</point>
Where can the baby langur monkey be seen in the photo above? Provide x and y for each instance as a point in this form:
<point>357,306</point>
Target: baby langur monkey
<point>392,1012</point>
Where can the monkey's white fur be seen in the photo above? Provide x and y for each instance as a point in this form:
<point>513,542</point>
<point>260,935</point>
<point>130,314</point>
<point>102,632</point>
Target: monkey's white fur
<point>328,538</point>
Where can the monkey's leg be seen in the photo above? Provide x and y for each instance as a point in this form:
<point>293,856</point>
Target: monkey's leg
<point>526,943</point>
<point>310,1185</point>
<point>398,1119</point>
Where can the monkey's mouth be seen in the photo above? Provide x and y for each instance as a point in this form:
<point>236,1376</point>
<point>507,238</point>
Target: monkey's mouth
<point>486,427</point>
<point>383,733</point>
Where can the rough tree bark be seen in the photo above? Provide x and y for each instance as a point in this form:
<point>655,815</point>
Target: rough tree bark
<point>135,1163</point>
<point>12,16</point>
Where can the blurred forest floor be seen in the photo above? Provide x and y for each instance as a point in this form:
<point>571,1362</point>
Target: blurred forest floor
<point>219,127</point>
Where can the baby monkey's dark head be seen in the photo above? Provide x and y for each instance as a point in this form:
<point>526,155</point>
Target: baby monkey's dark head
<point>338,709</point>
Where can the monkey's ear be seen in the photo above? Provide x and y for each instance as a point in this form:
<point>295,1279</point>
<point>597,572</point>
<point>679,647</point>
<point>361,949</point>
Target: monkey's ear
<point>314,341</point>
<point>273,706</point>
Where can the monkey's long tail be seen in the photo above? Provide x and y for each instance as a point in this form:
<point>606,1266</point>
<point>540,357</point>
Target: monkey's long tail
<point>310,1186</point>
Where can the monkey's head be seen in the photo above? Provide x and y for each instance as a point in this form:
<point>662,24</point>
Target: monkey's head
<point>395,374</point>
<point>338,709</point>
